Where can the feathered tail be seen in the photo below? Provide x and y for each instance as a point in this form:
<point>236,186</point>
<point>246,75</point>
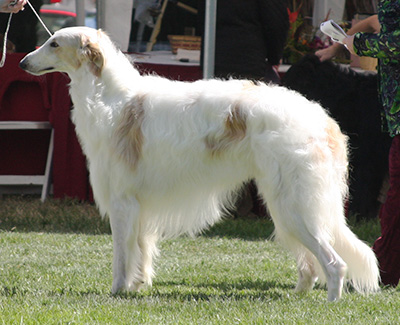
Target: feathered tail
<point>363,271</point>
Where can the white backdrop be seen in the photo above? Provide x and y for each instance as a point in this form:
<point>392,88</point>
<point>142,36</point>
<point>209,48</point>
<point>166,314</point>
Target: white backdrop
<point>322,7</point>
<point>115,18</point>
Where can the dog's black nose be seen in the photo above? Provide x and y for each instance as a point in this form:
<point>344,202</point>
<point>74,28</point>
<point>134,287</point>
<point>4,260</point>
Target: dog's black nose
<point>23,65</point>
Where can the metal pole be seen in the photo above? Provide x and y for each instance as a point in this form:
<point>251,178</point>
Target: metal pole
<point>80,12</point>
<point>101,15</point>
<point>209,39</point>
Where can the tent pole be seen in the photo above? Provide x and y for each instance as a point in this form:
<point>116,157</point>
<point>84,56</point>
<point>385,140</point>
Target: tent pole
<point>101,13</point>
<point>209,39</point>
<point>80,12</point>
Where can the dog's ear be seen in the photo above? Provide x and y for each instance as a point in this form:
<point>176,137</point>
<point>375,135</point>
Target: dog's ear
<point>93,55</point>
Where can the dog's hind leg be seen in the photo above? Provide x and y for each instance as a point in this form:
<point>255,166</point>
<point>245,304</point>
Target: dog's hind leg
<point>332,264</point>
<point>124,220</point>
<point>149,250</point>
<point>300,227</point>
<point>306,271</point>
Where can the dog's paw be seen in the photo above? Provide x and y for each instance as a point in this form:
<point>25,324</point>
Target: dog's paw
<point>118,286</point>
<point>136,286</point>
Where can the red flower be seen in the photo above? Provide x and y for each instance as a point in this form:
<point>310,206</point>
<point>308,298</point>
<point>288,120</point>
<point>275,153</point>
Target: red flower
<point>293,15</point>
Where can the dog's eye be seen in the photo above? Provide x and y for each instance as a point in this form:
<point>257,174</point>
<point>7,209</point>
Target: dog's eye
<point>54,44</point>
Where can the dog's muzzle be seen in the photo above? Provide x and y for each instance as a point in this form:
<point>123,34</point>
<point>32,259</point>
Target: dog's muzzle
<point>23,64</point>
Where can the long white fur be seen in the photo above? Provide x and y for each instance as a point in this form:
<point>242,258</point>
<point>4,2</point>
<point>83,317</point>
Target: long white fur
<point>165,157</point>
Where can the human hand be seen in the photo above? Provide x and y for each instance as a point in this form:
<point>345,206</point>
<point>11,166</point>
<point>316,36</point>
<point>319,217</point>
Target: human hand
<point>8,6</point>
<point>348,42</point>
<point>329,52</point>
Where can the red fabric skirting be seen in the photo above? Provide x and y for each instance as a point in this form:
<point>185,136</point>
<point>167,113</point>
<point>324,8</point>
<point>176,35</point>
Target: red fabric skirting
<point>387,247</point>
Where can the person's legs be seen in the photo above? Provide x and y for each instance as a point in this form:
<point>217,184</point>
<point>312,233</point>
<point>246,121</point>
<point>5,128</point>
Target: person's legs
<point>387,247</point>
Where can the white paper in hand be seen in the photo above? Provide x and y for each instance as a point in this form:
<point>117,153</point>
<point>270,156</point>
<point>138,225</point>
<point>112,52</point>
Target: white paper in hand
<point>333,30</point>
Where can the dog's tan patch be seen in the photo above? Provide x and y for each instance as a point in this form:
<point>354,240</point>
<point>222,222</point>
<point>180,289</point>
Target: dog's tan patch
<point>96,59</point>
<point>93,54</point>
<point>337,141</point>
<point>128,134</point>
<point>234,130</point>
<point>337,144</point>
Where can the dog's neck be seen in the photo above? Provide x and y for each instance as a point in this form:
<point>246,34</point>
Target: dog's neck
<point>117,82</point>
<point>98,100</point>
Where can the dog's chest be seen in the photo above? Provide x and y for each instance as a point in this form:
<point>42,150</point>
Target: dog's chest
<point>92,127</point>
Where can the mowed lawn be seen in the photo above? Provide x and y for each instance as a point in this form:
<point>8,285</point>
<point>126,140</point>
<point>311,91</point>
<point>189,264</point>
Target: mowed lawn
<point>55,268</point>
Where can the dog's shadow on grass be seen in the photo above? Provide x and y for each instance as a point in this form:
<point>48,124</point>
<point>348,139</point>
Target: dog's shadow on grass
<point>245,290</point>
<point>243,228</point>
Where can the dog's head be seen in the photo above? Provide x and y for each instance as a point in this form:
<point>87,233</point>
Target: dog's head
<point>68,50</point>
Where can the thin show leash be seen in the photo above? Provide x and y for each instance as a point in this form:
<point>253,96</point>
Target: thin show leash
<point>3,58</point>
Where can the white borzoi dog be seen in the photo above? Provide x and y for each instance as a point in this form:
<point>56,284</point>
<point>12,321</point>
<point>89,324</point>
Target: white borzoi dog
<point>165,157</point>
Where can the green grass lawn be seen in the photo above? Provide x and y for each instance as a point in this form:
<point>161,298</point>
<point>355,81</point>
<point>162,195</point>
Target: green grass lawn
<point>55,268</point>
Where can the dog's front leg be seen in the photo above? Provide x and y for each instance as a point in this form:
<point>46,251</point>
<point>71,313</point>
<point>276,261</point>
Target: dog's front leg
<point>124,220</point>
